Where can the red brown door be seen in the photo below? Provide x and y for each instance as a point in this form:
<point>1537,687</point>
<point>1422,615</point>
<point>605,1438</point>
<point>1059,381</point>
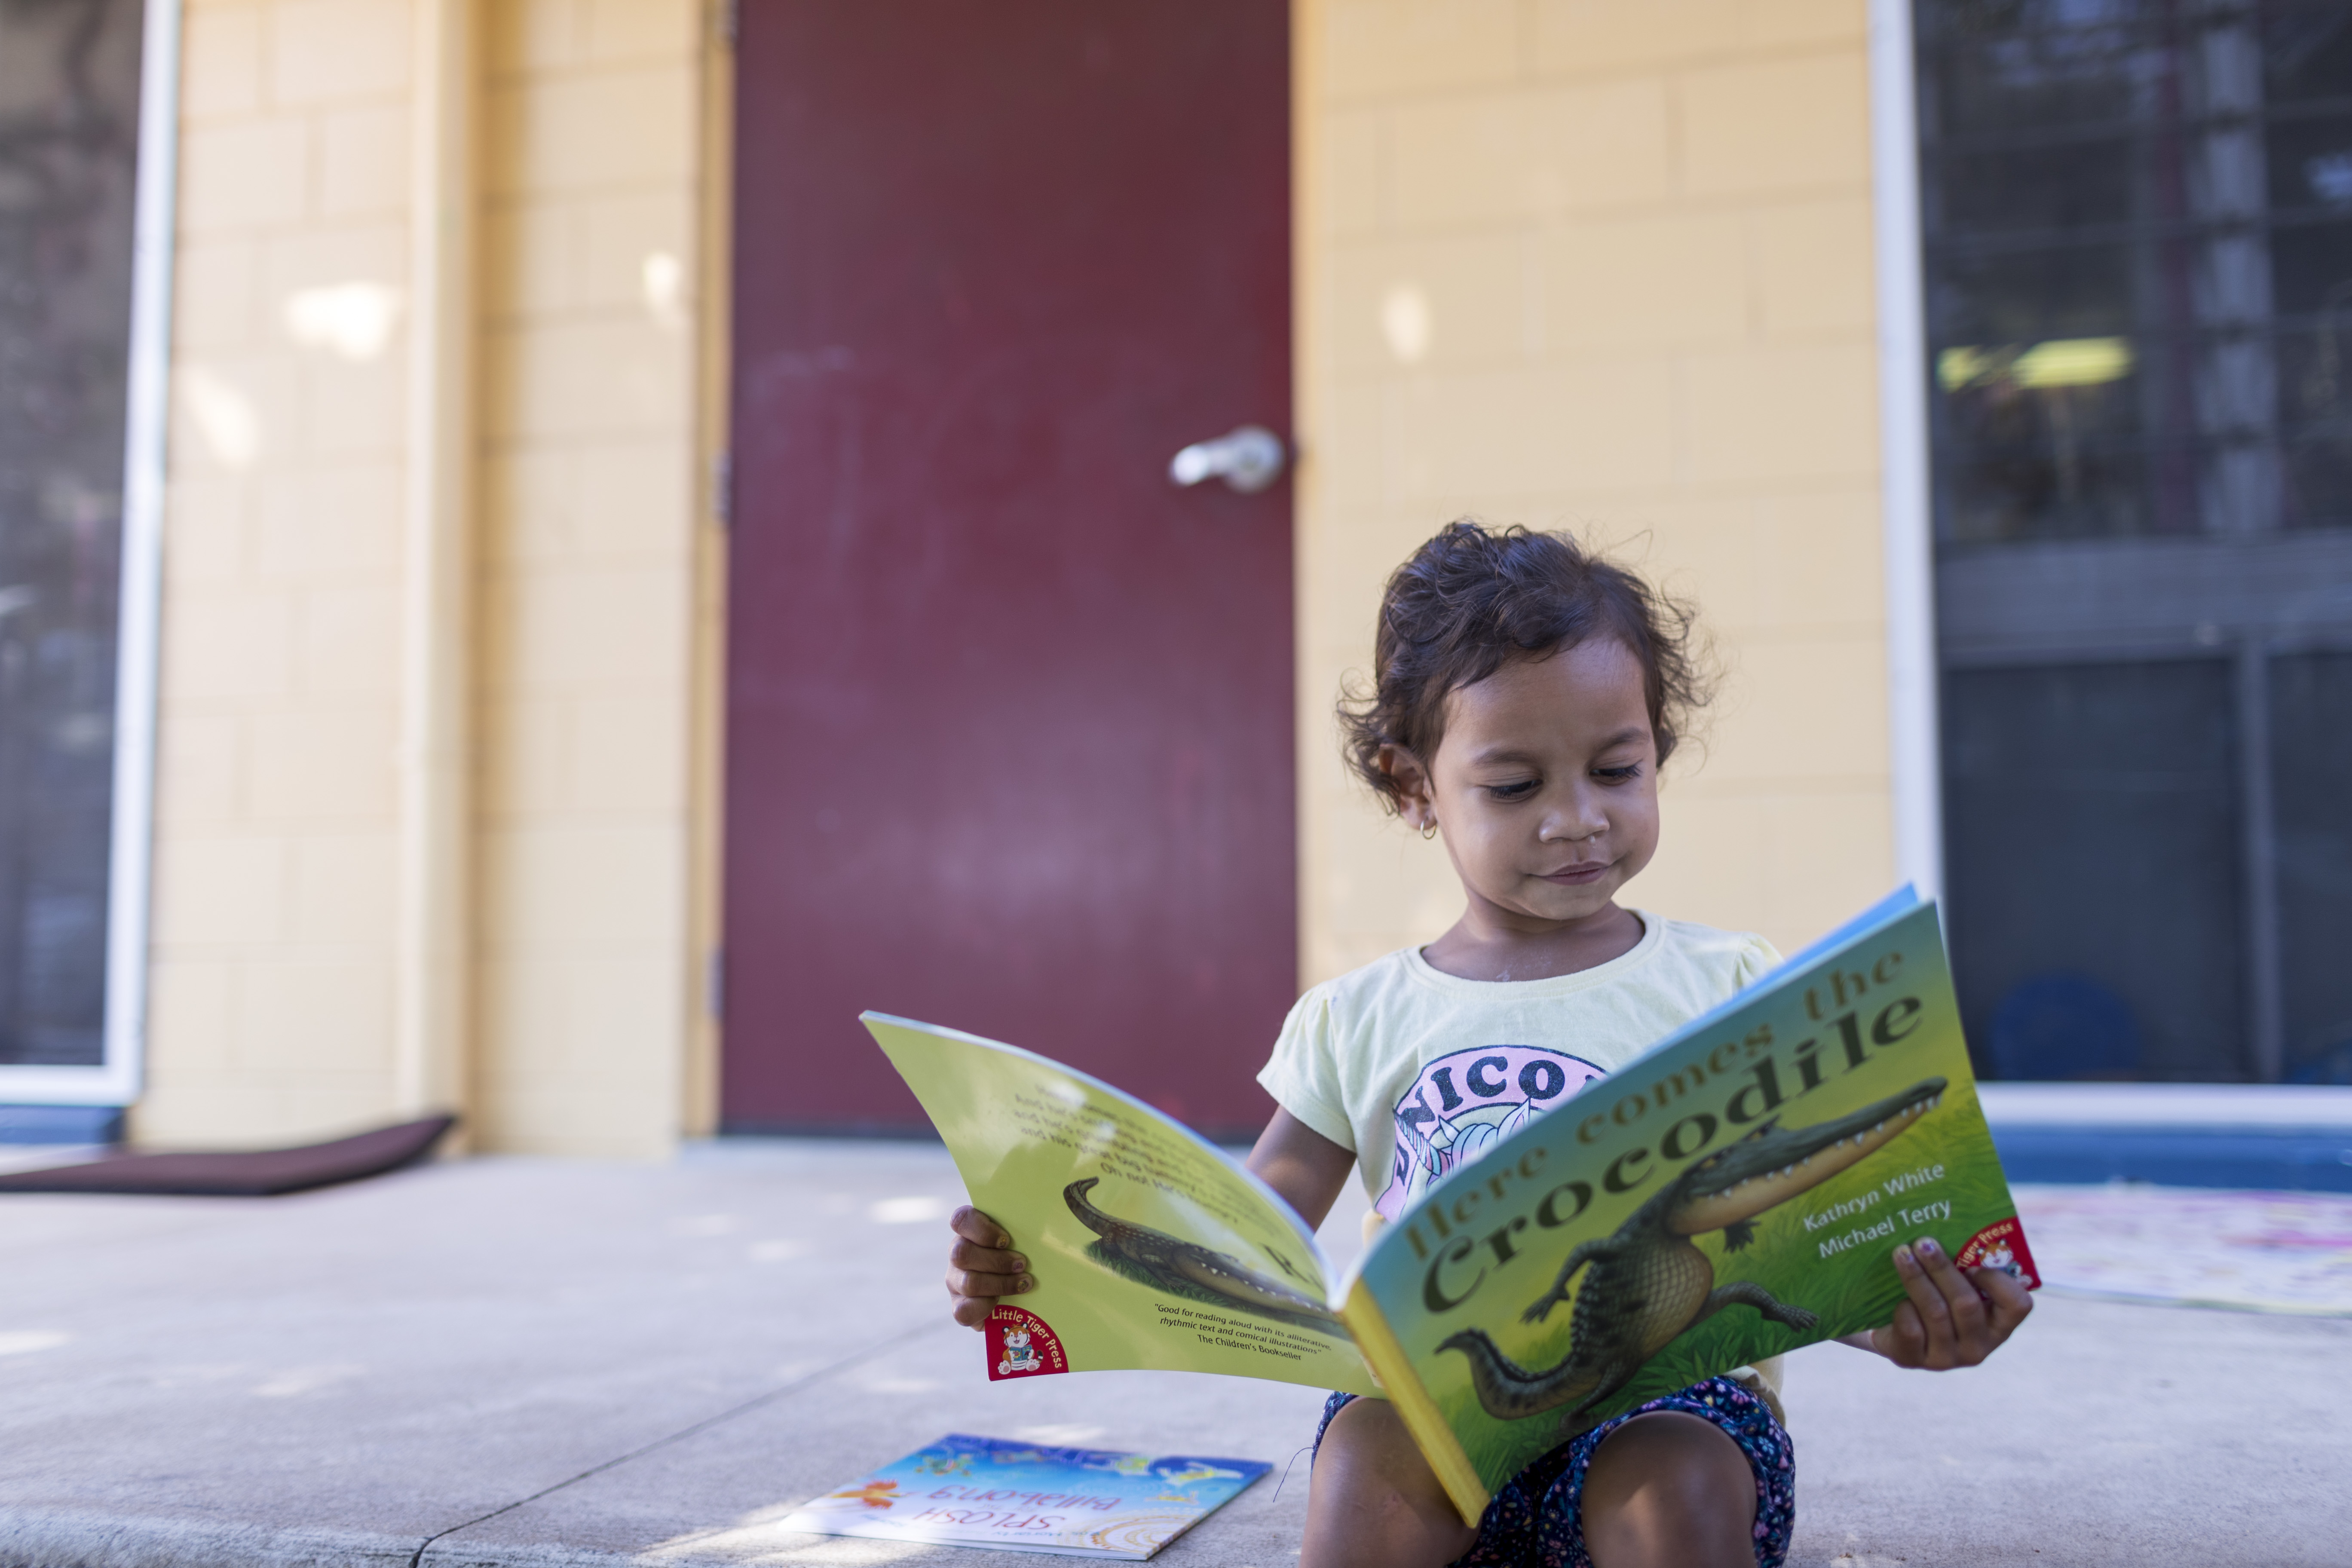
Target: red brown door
<point>1008,716</point>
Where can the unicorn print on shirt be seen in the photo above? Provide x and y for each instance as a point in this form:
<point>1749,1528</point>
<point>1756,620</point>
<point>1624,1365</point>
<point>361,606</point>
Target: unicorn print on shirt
<point>1464,1103</point>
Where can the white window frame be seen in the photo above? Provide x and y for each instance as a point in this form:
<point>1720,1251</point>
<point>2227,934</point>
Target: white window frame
<point>119,1077</point>
<point>1914,762</point>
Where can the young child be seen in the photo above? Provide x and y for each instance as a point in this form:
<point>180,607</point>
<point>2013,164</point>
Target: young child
<point>1526,694</point>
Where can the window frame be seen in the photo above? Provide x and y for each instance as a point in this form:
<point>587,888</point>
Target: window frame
<point>2200,594</point>
<point>120,1073</point>
<point>1914,747</point>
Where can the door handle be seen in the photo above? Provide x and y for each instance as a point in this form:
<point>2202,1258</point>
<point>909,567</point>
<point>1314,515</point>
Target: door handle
<point>1248,459</point>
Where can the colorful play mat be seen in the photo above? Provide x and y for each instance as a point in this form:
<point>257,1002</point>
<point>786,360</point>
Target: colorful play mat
<point>2266,1252</point>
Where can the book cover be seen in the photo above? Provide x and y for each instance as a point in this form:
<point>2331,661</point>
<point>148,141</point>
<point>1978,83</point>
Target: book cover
<point>988,1492</point>
<point>1733,1193</point>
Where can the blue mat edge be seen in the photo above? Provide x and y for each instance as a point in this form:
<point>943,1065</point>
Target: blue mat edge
<point>2287,1160</point>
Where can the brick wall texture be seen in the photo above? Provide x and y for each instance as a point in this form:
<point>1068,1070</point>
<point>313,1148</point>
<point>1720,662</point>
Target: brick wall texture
<point>1602,265</point>
<point>276,816</point>
<point>278,822</point>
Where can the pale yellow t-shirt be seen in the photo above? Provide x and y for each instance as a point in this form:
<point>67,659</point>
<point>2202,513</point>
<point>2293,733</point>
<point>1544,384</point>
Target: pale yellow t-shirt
<point>1418,1072</point>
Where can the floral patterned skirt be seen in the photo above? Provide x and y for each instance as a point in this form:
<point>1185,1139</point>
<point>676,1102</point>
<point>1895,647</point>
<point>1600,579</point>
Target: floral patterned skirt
<point>1535,1519</point>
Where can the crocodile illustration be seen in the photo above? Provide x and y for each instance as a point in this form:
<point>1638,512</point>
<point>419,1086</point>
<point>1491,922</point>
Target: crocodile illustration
<point>1649,1284</point>
<point>1187,1269</point>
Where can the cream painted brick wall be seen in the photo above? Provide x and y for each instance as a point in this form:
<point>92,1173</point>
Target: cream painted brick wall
<point>585,983</point>
<point>277,824</point>
<point>1636,236</point>
<point>275,812</point>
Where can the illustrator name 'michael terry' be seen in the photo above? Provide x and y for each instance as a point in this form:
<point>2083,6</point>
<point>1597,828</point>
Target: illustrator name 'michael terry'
<point>1886,1227</point>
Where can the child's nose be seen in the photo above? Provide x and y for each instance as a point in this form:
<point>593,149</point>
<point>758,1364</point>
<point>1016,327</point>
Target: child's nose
<point>1569,827</point>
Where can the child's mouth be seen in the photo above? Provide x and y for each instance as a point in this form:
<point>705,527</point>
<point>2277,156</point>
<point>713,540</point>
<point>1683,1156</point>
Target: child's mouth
<point>1577,875</point>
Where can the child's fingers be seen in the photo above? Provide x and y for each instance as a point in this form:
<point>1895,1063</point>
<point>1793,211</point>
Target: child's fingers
<point>1935,1312</point>
<point>988,1282</point>
<point>1902,1340</point>
<point>985,1273</point>
<point>973,1295</point>
<point>2008,1301</point>
<point>973,1225</point>
<point>1971,1340</point>
<point>981,1267</point>
<point>975,1259</point>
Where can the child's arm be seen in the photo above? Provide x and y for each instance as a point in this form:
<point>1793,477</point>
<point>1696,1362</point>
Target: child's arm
<point>1952,1319</point>
<point>1307,1168</point>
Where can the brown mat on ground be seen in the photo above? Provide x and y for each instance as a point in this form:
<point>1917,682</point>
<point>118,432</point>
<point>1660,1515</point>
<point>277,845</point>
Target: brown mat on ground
<point>233,1173</point>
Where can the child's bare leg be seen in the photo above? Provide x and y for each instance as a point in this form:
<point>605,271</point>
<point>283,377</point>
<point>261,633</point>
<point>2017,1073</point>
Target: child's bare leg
<point>1669,1490</point>
<point>1374,1502</point>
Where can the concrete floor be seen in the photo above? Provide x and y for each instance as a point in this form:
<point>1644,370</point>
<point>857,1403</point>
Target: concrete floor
<point>526,1362</point>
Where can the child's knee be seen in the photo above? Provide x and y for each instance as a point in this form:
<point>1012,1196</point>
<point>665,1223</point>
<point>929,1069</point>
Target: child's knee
<point>1678,1459</point>
<point>1368,1438</point>
<point>1371,1484</point>
<point>1370,1463</point>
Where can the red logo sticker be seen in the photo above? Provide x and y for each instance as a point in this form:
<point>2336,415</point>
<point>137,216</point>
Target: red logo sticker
<point>1021,1344</point>
<point>2000,1245</point>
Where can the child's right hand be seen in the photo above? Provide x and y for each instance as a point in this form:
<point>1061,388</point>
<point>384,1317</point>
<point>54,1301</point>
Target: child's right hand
<point>981,1267</point>
<point>1950,1318</point>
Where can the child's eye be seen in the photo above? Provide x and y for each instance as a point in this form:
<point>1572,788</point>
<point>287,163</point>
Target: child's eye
<point>1519,790</point>
<point>1619,775</point>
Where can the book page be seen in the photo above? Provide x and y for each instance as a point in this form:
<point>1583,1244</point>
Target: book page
<point>1151,1247</point>
<point>1732,1194</point>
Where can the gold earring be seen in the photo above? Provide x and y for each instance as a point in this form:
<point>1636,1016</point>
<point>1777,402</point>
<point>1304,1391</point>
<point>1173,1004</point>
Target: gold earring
<point>1429,829</point>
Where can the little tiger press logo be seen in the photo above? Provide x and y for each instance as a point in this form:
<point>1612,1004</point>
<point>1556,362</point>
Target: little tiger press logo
<point>2001,1245</point>
<point>1021,1344</point>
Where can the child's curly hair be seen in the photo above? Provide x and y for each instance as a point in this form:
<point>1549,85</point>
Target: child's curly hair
<point>1472,599</point>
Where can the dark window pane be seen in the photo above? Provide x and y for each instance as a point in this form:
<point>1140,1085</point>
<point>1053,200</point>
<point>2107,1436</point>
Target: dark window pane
<point>2311,264</point>
<point>2008,189</point>
<point>2022,460</point>
<point>2125,203</point>
<point>2307,57</point>
<point>2316,378</point>
<point>2319,481</point>
<point>2025,296</point>
<point>1997,69</point>
<point>2310,158</point>
<point>69,115</point>
<point>2092,868</point>
<point>2310,750</point>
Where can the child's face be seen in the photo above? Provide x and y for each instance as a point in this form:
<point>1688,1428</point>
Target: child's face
<point>1545,787</point>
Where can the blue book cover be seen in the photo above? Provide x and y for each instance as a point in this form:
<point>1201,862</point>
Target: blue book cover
<point>990,1491</point>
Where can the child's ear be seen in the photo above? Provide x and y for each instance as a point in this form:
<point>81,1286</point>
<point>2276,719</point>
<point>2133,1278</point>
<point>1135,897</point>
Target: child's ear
<point>1412,782</point>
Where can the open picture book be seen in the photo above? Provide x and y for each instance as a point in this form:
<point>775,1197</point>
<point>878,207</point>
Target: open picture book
<point>1736,1192</point>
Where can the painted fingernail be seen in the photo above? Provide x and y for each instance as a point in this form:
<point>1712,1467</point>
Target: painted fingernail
<point>1926,1247</point>
<point>1020,1264</point>
<point>1903,1258</point>
<point>1027,1283</point>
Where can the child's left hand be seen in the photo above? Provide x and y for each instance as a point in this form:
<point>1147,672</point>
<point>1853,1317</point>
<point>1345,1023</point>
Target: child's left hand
<point>1952,1319</point>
